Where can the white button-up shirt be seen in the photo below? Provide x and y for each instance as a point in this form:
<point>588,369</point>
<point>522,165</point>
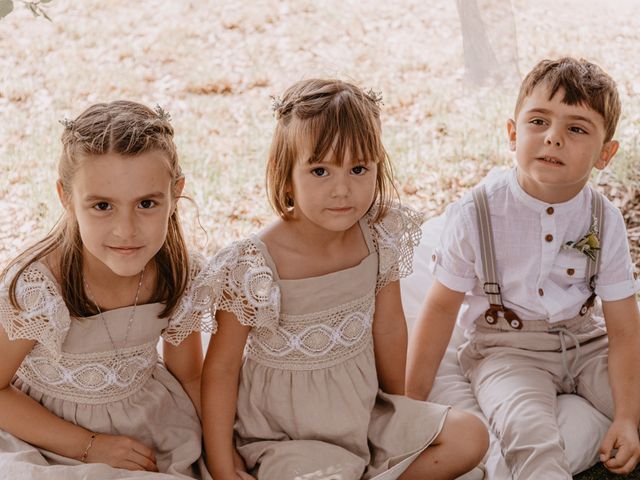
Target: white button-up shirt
<point>539,278</point>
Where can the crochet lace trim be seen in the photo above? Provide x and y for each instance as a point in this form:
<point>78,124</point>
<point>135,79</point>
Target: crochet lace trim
<point>91,378</point>
<point>315,340</point>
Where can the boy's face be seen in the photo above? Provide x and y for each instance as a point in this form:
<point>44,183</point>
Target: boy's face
<point>557,145</point>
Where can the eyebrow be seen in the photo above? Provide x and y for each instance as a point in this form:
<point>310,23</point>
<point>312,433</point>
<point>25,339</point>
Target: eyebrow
<point>358,161</point>
<point>153,195</point>
<point>544,111</point>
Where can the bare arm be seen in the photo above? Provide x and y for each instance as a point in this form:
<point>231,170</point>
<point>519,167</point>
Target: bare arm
<point>184,361</point>
<point>430,338</point>
<point>390,339</point>
<point>25,418</point>
<point>220,393</point>
<point>623,328</point>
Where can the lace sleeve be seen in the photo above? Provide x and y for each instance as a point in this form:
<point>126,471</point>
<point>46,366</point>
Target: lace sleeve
<point>395,236</point>
<point>44,317</point>
<point>248,289</point>
<point>194,311</point>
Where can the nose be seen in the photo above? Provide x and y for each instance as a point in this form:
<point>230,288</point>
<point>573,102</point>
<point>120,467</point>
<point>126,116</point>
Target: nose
<point>341,187</point>
<point>553,138</point>
<point>125,226</point>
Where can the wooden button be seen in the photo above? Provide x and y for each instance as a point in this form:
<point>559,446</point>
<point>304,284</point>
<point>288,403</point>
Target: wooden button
<point>433,257</point>
<point>548,237</point>
<point>550,210</point>
<point>570,271</point>
<point>541,292</point>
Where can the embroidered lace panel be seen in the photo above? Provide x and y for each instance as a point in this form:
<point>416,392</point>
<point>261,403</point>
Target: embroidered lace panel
<point>249,291</point>
<point>315,340</point>
<point>44,316</point>
<point>91,378</point>
<point>395,237</point>
<point>193,312</point>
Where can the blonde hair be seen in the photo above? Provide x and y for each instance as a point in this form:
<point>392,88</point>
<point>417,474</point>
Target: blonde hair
<point>330,116</point>
<point>583,82</point>
<point>125,128</point>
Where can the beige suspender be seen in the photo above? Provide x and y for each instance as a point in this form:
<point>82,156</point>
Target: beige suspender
<point>491,285</point>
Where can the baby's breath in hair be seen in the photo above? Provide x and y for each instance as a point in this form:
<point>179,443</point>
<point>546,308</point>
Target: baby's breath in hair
<point>375,96</point>
<point>162,113</point>
<point>67,123</point>
<point>276,105</point>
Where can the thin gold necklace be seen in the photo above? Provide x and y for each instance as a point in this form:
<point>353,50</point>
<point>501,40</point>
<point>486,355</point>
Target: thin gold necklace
<point>104,322</point>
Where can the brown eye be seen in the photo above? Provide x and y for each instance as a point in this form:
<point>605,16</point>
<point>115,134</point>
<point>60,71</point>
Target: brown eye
<point>146,204</point>
<point>102,206</point>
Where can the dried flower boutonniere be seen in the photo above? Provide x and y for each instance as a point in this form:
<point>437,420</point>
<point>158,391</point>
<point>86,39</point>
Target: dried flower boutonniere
<point>589,244</point>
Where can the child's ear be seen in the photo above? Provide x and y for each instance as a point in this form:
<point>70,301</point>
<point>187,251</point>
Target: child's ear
<point>609,149</point>
<point>511,131</point>
<point>64,199</point>
<point>178,187</point>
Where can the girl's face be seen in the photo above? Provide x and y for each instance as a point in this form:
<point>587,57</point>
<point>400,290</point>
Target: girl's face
<point>331,196</point>
<point>122,205</point>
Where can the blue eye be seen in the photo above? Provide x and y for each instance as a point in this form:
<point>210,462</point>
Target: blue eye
<point>102,206</point>
<point>146,204</point>
<point>319,172</point>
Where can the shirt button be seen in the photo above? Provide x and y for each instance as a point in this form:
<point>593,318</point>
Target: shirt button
<point>541,292</point>
<point>570,271</point>
<point>433,257</point>
<point>548,237</point>
<point>550,210</point>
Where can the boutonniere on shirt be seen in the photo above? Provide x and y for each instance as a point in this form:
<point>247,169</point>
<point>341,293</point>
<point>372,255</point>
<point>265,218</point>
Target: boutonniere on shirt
<point>589,243</point>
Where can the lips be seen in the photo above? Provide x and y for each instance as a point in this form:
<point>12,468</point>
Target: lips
<point>550,160</point>
<point>340,209</point>
<point>125,250</point>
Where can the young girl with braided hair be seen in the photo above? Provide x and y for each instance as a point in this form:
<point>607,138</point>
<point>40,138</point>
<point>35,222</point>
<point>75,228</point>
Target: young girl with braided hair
<point>82,394</point>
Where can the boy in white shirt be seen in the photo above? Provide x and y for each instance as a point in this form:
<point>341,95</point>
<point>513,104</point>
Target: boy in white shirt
<point>531,248</point>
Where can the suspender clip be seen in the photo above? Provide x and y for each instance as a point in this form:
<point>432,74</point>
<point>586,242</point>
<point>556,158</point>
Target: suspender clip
<point>491,315</point>
<point>587,305</point>
<point>513,319</point>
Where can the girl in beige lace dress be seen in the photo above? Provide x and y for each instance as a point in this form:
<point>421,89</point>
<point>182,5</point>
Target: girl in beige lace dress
<point>82,394</point>
<point>315,297</point>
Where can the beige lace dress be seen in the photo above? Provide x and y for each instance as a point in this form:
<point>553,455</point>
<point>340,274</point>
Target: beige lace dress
<point>74,372</point>
<point>309,406</point>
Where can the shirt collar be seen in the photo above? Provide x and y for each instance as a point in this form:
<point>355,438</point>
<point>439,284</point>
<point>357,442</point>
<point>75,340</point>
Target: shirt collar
<point>539,206</point>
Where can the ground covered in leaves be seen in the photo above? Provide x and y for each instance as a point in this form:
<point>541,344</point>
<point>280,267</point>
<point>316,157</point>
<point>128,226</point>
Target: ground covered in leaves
<point>214,66</point>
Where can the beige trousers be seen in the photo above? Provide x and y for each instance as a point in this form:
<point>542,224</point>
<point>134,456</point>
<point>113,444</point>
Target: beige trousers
<point>516,376</point>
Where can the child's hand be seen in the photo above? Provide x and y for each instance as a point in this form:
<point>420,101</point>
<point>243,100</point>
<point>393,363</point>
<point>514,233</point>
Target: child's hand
<point>243,476</point>
<point>122,452</point>
<point>620,449</point>
<point>241,468</point>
